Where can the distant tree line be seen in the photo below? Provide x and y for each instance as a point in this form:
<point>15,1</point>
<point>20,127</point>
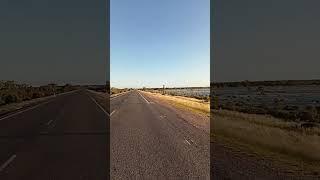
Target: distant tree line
<point>144,88</point>
<point>117,90</point>
<point>100,88</point>
<point>247,83</point>
<point>12,92</point>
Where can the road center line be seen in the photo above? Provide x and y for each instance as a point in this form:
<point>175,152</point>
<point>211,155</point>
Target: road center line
<point>187,141</point>
<point>49,122</point>
<point>112,112</point>
<point>5,164</point>
<point>99,106</point>
<point>144,98</point>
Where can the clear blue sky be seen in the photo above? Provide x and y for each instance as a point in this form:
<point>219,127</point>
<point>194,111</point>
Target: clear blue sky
<point>156,42</point>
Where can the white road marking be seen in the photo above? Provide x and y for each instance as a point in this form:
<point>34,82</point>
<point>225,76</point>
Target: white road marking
<point>144,98</point>
<point>33,107</point>
<point>53,125</point>
<point>5,164</point>
<point>19,112</point>
<point>114,97</point>
<point>49,122</point>
<point>186,141</point>
<point>112,112</point>
<point>99,106</point>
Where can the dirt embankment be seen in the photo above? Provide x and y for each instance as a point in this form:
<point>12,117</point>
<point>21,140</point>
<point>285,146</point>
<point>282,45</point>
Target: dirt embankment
<point>118,94</point>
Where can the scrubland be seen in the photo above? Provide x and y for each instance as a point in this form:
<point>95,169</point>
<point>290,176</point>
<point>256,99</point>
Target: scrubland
<point>281,141</point>
<point>14,96</point>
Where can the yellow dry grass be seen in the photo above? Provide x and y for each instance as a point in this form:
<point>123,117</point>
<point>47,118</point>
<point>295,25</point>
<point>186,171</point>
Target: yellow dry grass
<point>268,135</point>
<point>118,94</point>
<point>192,104</point>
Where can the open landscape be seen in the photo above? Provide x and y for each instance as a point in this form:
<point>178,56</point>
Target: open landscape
<point>270,127</point>
<point>15,96</point>
<point>202,93</point>
<point>295,101</point>
<point>12,92</point>
<point>156,132</point>
<point>116,91</point>
<point>276,121</point>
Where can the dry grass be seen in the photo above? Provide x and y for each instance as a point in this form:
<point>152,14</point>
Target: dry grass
<point>192,104</point>
<point>268,135</point>
<point>118,94</point>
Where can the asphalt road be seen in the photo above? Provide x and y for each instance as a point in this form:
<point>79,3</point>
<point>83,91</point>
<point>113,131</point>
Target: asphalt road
<point>64,138</point>
<point>149,141</point>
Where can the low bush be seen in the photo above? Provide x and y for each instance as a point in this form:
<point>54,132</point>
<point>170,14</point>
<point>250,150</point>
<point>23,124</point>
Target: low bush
<point>11,92</point>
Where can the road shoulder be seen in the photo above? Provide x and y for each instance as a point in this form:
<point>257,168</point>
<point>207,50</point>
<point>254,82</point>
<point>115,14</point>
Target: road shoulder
<point>101,98</point>
<point>199,120</point>
<point>10,109</point>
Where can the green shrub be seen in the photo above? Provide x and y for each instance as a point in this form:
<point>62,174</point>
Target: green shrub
<point>11,92</point>
<point>9,98</point>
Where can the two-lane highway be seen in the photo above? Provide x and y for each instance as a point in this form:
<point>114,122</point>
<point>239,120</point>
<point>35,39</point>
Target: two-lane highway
<point>148,141</point>
<point>67,138</point>
<point>64,138</point>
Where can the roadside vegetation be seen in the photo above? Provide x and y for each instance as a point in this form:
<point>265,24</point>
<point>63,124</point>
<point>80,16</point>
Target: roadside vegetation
<point>268,136</point>
<point>288,100</point>
<point>304,113</point>
<point>188,103</point>
<point>98,88</point>
<point>11,92</point>
<point>118,90</point>
<point>180,92</point>
<point>247,83</point>
<point>280,132</point>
